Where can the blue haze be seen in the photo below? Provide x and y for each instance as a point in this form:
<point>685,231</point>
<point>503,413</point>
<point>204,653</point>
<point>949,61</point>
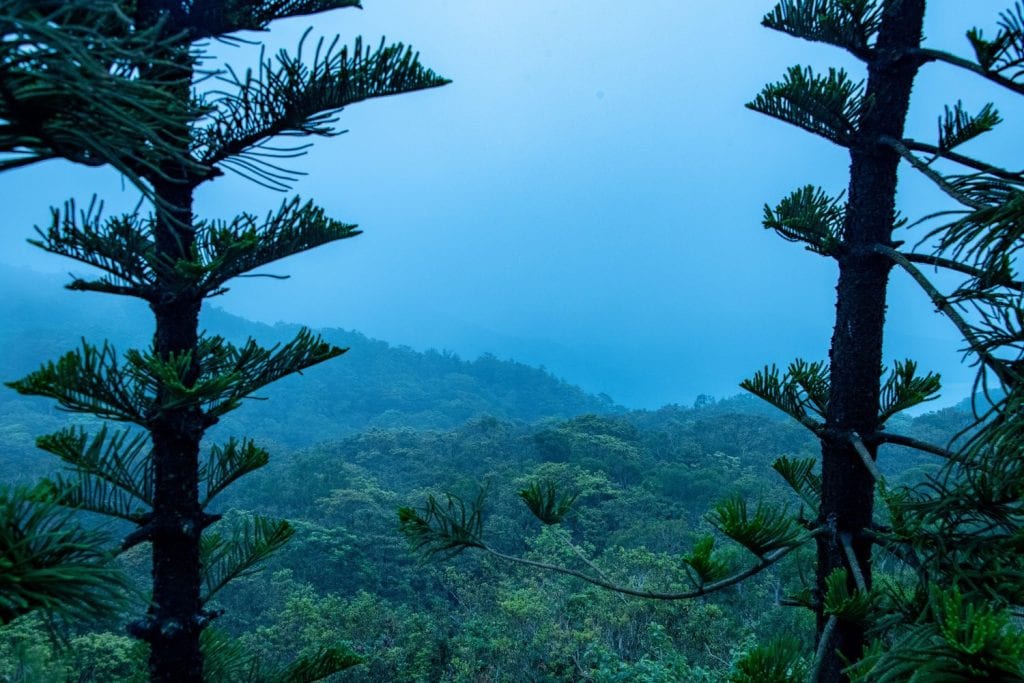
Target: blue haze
<point>586,195</point>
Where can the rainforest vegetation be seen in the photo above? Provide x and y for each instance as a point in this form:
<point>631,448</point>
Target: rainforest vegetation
<point>426,517</point>
<point>644,479</point>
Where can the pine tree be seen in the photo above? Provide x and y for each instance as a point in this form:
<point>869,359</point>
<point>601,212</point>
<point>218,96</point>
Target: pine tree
<point>887,37</point>
<point>852,399</point>
<point>151,473</point>
<point>67,91</point>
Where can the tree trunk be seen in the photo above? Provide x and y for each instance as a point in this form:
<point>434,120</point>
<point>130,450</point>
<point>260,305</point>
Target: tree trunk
<point>856,352</point>
<point>175,618</point>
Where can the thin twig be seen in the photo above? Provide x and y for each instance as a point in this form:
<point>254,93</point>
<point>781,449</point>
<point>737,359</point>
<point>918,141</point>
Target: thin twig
<point>589,563</point>
<point>851,559</point>
<point>909,442</point>
<point>944,306</point>
<point>764,563</point>
<point>963,160</point>
<point>865,455</point>
<point>932,174</point>
<point>940,56</point>
<point>819,655</point>
<point>950,264</point>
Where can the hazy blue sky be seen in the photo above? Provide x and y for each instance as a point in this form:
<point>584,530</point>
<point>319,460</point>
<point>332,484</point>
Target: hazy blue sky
<point>586,195</point>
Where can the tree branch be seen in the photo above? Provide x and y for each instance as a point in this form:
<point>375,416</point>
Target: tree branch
<point>851,559</point>
<point>931,173</point>
<point>765,562</point>
<point>950,264</point>
<point>944,306</point>
<point>963,160</point>
<point>865,455</point>
<point>924,446</point>
<point>932,55</point>
<point>586,560</point>
<point>823,643</point>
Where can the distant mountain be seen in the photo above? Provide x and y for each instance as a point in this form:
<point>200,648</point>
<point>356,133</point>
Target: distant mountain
<point>373,385</point>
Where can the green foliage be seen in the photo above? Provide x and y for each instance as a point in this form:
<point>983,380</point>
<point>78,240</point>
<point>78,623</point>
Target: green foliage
<point>770,527</point>
<point>324,663</point>
<point>811,216</point>
<point>705,565</point>
<point>288,95</point>
<point>777,661</point>
<point>1003,54</point>
<point>829,106</point>
<point>107,657</point>
<point>235,551</point>
<point>799,474</point>
<point>71,89</point>
<point>903,389</point>
<point>959,641</point>
<point>49,562</point>
<point>444,528</point>
<point>229,463</point>
<point>92,380</point>
<point>802,392</point>
<point>848,605</point>
<point>226,250</point>
<point>546,503</point>
<point>849,24</point>
<point>957,126</point>
<point>120,459</point>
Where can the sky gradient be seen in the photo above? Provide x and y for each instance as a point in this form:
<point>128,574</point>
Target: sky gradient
<point>586,195</point>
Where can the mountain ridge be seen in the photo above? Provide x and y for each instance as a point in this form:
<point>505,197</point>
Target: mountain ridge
<point>374,384</point>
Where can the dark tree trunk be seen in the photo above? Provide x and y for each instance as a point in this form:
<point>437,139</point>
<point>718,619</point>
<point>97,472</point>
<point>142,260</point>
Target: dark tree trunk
<point>176,618</point>
<point>856,353</point>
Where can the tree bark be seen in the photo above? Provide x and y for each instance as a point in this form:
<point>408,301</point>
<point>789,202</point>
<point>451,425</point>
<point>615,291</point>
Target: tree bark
<point>175,618</point>
<point>856,352</point>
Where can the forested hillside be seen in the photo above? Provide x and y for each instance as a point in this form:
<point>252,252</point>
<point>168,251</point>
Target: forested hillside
<point>384,427</point>
<point>645,481</point>
<point>373,385</point>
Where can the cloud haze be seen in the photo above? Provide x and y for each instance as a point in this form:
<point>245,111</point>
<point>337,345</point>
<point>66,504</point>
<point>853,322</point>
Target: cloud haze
<point>585,195</point>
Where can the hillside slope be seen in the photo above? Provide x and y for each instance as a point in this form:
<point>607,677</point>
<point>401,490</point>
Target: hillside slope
<point>373,385</point>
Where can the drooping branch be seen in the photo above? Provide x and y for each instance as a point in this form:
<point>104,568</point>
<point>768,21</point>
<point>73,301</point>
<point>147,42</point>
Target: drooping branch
<point>963,160</point>
<point>51,563</point>
<point>739,577</point>
<point>916,444</point>
<point>947,309</point>
<point>957,266</point>
<point>67,70</point>
<point>940,181</point>
<point>933,55</point>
